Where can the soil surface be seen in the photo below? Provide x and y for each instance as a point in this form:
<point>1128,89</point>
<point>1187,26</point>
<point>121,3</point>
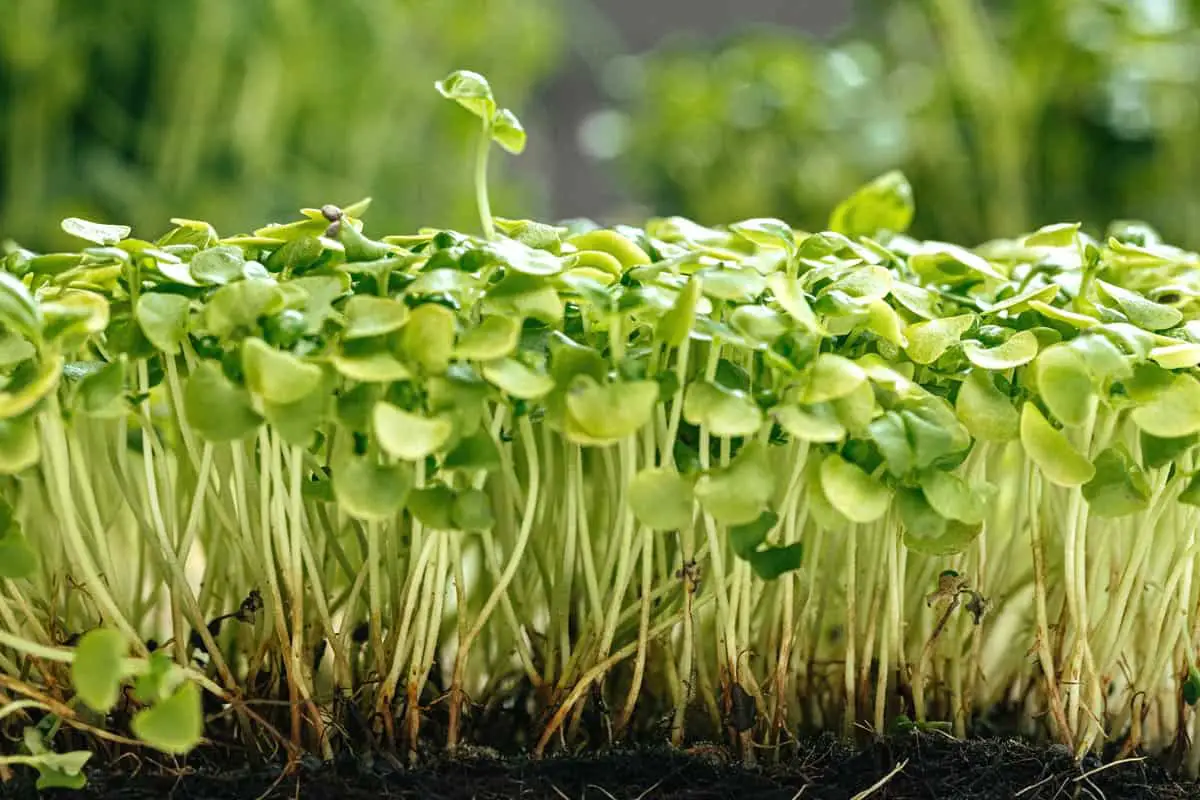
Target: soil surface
<point>934,766</point>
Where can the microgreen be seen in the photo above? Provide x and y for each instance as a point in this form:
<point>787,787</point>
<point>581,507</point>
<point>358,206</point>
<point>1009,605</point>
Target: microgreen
<point>551,449</point>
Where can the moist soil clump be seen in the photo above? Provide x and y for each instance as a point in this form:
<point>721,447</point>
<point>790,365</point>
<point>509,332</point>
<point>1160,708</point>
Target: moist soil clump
<point>934,766</point>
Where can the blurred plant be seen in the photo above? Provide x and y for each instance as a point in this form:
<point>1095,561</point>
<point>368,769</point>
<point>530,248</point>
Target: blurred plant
<point>1000,114</point>
<point>227,110</point>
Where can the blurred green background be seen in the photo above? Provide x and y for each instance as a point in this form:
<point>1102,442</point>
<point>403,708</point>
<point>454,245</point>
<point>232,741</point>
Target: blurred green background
<point>1004,115</point>
<point>240,111</point>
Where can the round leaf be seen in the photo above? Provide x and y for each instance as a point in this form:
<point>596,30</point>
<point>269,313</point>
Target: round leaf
<point>602,413</point>
<point>163,319</point>
<point>662,499</point>
<point>985,411</point>
<point>1174,412</point>
<point>929,340</point>
<point>470,90</point>
<point>94,231</point>
<point>858,496</point>
<point>739,493</point>
<point>96,672</point>
<point>515,379</point>
<point>830,378</point>
<point>409,436</point>
<point>725,412</point>
<point>368,316</point>
<point>276,376</point>
<point>1051,451</point>
<point>218,265</point>
<point>1020,348</point>
<point>428,338</point>
<point>815,423</point>
<point>494,337</point>
<point>174,725</point>
<point>1064,384</point>
<point>218,409</point>
<point>369,491</point>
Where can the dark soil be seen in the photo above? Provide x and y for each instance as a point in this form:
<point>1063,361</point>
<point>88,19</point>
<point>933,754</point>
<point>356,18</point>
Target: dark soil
<point>937,767</point>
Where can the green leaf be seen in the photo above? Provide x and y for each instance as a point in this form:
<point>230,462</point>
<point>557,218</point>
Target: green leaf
<point>766,232</point>
<point>20,447</point>
<point>624,249</point>
<point>148,687</point>
<point>94,231</point>
<point>952,497</point>
<point>409,436</point>
<point>218,265</point>
<point>275,376</point>
<point>97,671</point>
<point>739,493</point>
<point>28,385</point>
<point>1158,452</point>
<point>759,323</point>
<point>508,132</point>
<point>662,499</point>
<point>370,491</point>
<point>163,318</point>
<point>939,263</point>
<point>475,452</point>
<point>855,494</point>
<point>494,337</point>
<point>1020,348</point>
<point>18,310</point>
<point>1174,412</point>
<point>298,422</point>
<point>174,725</point>
<point>433,506</point>
<point>724,411</point>
<point>525,259</point>
<point>101,393</point>
<point>1177,356</point>
<point>1141,312</point>
<point>236,308</point>
<point>676,325</point>
<point>1051,451</point>
<point>603,413</point>
<point>1119,486</point>
<point>470,90</point>
<point>986,412</point>
<point>772,562</point>
<point>514,378</point>
<point>218,409</point>
<point>790,296</point>
<point>472,511</point>
<point>1063,234</point>
<point>17,559</point>
<point>1064,383</point>
<point>745,539</point>
<point>428,338</point>
<point>884,204</point>
<point>815,423</point>
<point>368,316</point>
<point>376,366</point>
<point>831,377</point>
<point>929,340</point>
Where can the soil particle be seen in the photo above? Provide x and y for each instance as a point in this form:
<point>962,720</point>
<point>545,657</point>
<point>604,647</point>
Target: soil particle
<point>935,766</point>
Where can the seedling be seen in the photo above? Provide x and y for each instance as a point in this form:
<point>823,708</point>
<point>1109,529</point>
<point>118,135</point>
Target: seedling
<point>562,470</point>
<point>500,125</point>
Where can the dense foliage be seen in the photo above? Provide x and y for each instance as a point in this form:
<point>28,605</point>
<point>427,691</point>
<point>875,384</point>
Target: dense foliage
<point>228,110</point>
<point>311,488</point>
<point>1001,114</point>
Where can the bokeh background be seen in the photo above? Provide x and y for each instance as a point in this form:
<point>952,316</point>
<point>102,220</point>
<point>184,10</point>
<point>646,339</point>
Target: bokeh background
<point>1004,114</point>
